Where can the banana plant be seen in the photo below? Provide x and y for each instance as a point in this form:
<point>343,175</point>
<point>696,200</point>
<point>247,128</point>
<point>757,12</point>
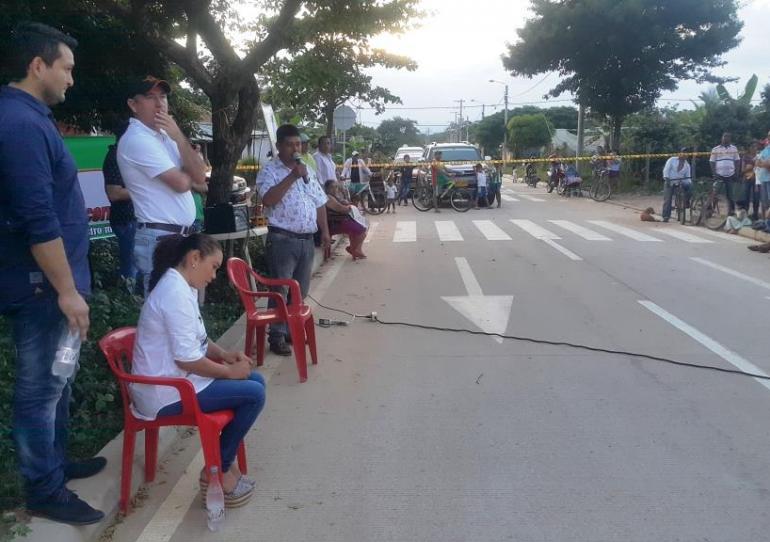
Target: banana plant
<point>745,98</point>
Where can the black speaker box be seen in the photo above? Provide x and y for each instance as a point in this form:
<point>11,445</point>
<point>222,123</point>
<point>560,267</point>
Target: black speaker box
<point>226,218</point>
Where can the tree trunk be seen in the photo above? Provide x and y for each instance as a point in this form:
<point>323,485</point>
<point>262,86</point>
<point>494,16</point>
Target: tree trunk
<point>329,116</point>
<point>617,124</point>
<point>233,119</point>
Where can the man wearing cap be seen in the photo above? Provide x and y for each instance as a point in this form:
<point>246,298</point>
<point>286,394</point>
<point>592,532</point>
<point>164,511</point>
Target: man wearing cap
<point>307,156</point>
<point>159,167</point>
<point>676,171</point>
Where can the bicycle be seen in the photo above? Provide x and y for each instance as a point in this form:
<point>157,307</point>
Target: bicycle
<point>708,208</point>
<point>600,188</point>
<point>461,199</point>
<point>681,204</point>
<point>374,202</point>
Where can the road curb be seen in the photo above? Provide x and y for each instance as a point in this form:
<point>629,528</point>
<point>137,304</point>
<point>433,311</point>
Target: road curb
<point>103,491</point>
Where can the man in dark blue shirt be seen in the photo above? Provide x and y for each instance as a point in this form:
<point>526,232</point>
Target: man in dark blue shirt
<point>43,266</point>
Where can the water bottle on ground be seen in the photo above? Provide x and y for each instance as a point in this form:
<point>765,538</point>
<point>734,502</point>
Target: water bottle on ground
<point>67,353</point>
<point>215,501</point>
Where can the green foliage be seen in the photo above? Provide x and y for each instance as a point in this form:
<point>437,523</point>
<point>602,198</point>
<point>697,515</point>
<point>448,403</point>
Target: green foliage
<point>618,56</point>
<point>397,132</point>
<point>96,415</point>
<point>527,132</point>
<point>743,99</point>
<point>104,62</point>
<point>322,76</point>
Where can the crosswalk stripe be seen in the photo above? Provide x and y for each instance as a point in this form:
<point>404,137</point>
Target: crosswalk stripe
<point>684,236</point>
<point>530,198</point>
<point>506,197</point>
<point>447,231</point>
<point>628,232</point>
<point>491,231</point>
<point>583,232</point>
<point>538,232</point>
<point>727,236</point>
<point>372,228</point>
<point>406,232</point>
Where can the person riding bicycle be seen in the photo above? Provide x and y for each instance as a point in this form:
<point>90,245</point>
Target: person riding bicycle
<point>676,172</point>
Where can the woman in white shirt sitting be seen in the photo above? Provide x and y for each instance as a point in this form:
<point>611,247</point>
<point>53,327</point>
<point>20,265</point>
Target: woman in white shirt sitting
<point>171,341</point>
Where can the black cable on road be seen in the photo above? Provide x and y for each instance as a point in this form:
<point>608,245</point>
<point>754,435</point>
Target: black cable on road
<point>596,349</point>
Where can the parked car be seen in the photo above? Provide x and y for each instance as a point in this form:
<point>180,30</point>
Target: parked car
<point>463,158</point>
<point>414,153</point>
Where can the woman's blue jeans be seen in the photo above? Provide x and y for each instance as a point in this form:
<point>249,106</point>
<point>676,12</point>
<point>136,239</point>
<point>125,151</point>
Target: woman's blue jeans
<point>244,397</point>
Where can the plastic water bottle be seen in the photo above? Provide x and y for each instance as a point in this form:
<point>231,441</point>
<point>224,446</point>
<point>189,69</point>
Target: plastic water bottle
<point>215,501</point>
<point>67,354</point>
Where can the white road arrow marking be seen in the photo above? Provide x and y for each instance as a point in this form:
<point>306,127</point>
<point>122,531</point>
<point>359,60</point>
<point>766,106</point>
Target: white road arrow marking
<point>490,313</point>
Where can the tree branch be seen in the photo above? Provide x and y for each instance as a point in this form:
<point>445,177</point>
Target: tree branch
<point>175,52</point>
<point>212,33</point>
<point>277,37</point>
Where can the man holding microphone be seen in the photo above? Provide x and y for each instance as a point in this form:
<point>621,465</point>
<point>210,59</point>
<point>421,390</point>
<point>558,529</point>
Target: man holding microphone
<point>296,208</point>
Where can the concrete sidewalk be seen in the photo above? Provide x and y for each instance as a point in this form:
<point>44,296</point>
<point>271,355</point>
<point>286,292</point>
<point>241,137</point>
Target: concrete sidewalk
<point>103,491</point>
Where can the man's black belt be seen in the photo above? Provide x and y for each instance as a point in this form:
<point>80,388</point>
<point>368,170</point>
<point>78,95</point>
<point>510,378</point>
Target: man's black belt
<point>288,233</point>
<point>173,228</point>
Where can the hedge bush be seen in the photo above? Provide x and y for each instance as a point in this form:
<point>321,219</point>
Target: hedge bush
<point>96,411</point>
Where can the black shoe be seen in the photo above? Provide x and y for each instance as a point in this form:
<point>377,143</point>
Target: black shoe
<point>280,348</point>
<point>85,468</point>
<point>65,506</point>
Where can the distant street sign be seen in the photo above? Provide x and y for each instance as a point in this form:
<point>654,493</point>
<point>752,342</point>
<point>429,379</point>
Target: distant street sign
<point>344,118</point>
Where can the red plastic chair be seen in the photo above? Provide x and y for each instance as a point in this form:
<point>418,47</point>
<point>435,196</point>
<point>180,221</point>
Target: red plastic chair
<point>297,315</point>
<point>118,348</point>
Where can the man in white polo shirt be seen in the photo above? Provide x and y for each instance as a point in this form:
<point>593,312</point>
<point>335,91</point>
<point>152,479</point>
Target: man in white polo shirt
<point>326,170</point>
<point>159,167</point>
<point>725,163</point>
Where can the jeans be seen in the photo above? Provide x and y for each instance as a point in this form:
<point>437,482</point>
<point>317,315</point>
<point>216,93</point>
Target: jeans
<point>668,195</point>
<point>145,242</point>
<point>481,192</point>
<point>288,258</point>
<point>494,194</point>
<point>729,183</point>
<point>403,195</point>
<point>40,399</point>
<point>245,398</point>
<point>125,234</point>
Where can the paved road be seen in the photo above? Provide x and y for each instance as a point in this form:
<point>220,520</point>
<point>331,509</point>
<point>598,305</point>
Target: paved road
<point>407,435</point>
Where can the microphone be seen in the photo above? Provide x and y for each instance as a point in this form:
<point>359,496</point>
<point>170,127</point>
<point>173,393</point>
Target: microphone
<point>298,159</point>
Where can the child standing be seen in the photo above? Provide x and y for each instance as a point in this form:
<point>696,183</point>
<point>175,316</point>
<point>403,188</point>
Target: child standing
<point>481,186</point>
<point>390,195</point>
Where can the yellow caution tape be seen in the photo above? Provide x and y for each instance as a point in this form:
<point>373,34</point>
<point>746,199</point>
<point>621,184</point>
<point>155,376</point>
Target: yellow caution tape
<point>515,161</point>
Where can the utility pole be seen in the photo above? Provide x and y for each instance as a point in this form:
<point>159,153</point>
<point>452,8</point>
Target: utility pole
<point>460,125</point>
<point>505,118</point>
<point>483,109</point>
<point>505,129</point>
<point>580,135</point>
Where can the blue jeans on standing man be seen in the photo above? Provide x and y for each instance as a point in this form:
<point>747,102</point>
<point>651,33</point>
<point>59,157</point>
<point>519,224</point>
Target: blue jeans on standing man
<point>125,234</point>
<point>245,398</point>
<point>145,241</point>
<point>40,399</point>
<point>288,257</point>
<point>668,195</point>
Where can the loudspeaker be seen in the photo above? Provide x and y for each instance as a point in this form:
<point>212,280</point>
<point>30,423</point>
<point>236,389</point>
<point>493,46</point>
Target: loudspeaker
<point>226,218</point>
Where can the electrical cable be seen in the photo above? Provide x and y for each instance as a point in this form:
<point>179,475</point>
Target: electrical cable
<point>374,318</point>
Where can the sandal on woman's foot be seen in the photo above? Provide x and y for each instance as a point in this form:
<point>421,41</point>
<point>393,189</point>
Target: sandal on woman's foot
<point>240,495</point>
<point>251,481</point>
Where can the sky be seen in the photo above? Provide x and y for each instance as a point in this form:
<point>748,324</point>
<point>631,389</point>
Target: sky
<point>458,49</point>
